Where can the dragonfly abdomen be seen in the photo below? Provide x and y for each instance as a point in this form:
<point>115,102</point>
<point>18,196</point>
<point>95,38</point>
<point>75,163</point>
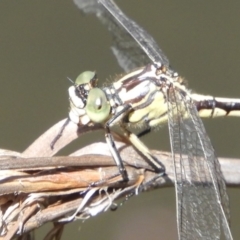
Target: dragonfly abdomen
<point>209,106</point>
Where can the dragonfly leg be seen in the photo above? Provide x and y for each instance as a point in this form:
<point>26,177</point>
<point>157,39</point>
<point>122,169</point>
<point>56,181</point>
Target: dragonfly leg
<point>144,132</point>
<point>116,156</point>
<point>111,143</point>
<point>142,148</point>
<point>59,135</point>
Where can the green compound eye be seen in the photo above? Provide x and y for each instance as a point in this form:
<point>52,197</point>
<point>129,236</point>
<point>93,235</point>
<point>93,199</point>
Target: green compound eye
<point>85,77</point>
<point>97,108</point>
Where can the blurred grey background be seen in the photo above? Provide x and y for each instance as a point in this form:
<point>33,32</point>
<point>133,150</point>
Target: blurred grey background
<point>44,42</point>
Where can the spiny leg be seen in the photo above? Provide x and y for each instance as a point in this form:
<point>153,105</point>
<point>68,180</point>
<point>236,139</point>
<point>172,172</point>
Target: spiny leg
<point>134,139</point>
<point>59,135</point>
<point>111,143</point>
<point>142,148</point>
<point>115,154</point>
<point>144,132</point>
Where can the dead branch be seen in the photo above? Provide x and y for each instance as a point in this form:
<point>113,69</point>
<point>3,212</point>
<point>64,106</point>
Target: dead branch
<point>37,188</point>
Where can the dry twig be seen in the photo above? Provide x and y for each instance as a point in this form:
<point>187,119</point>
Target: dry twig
<point>37,188</point>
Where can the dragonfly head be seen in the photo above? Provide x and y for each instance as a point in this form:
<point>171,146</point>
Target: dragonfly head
<point>87,102</point>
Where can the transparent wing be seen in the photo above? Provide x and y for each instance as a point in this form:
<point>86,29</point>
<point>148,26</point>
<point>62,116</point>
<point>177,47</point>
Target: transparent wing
<point>132,46</point>
<point>202,200</point>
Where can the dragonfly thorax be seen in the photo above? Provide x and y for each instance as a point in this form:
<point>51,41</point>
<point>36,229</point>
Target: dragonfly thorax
<point>145,90</point>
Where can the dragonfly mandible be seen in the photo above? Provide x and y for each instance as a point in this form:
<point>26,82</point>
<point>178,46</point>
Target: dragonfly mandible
<point>148,97</point>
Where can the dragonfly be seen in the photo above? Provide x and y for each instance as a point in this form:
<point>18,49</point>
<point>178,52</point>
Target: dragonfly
<point>150,94</point>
